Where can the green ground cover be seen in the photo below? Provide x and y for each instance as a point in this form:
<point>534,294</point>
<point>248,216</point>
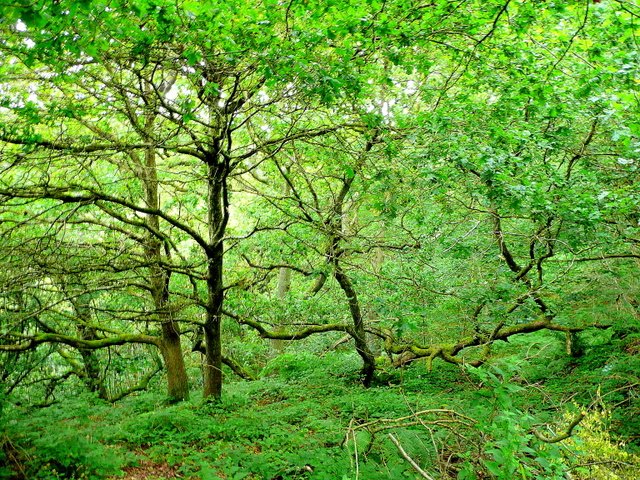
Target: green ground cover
<point>307,417</point>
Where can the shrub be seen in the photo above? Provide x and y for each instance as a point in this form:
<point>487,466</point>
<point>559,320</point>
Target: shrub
<point>597,455</point>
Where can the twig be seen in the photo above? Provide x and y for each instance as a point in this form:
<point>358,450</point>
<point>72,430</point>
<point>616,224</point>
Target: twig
<point>409,459</point>
<point>562,436</point>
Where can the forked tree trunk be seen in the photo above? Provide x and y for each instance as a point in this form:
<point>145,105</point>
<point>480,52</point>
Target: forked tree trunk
<point>91,364</point>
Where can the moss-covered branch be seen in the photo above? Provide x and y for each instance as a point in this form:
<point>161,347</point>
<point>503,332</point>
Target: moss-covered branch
<point>228,361</point>
<point>238,369</point>
<point>563,436</point>
<point>449,351</point>
<point>298,335</point>
<point>35,340</point>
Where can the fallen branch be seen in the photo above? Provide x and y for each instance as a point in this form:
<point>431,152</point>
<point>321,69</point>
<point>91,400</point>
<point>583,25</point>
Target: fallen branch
<point>402,421</point>
<point>406,456</point>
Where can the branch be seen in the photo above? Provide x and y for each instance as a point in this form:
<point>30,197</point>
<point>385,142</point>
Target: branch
<point>495,23</point>
<point>36,340</point>
<point>141,385</point>
<point>70,147</point>
<point>448,352</point>
<point>604,257</point>
<point>504,250</point>
<point>401,421</point>
<point>300,334</point>
<point>81,194</point>
<point>276,266</point>
<point>318,132</point>
<point>406,456</point>
<point>238,369</point>
<point>98,147</point>
<point>228,361</point>
<point>562,436</point>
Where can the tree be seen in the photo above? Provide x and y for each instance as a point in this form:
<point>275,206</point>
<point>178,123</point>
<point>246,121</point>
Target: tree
<point>455,139</point>
<point>210,124</point>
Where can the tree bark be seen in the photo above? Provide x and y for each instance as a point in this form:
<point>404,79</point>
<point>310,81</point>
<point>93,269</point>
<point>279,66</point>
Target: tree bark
<point>92,366</point>
<point>340,224</point>
<point>218,215</point>
<point>159,277</point>
<point>359,334</point>
<point>284,282</point>
<point>171,350</point>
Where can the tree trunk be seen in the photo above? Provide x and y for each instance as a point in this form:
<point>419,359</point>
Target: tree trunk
<point>212,330</point>
<point>213,359</point>
<point>159,277</point>
<point>341,223</point>
<point>91,364</point>
<point>358,332</point>
<point>217,218</point>
<point>171,350</point>
<point>284,283</point>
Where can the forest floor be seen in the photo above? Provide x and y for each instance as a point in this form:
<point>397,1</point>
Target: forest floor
<point>149,470</point>
<point>312,420</point>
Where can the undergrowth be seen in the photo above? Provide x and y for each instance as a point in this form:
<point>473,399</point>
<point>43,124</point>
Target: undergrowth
<point>308,418</point>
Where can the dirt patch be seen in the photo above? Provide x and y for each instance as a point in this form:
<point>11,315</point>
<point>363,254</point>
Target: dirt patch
<point>633,347</point>
<point>148,470</point>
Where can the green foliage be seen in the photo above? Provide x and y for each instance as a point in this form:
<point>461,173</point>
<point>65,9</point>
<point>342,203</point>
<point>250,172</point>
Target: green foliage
<point>510,448</point>
<point>304,365</point>
<point>467,168</point>
<point>295,423</point>
<point>67,455</point>
<point>169,423</point>
<point>599,456</point>
<point>65,443</point>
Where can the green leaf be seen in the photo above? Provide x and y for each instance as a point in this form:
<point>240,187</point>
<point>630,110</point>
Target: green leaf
<point>349,172</point>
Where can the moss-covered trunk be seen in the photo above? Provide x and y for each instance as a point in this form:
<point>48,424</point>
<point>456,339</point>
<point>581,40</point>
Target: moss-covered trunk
<point>171,350</point>
<point>159,278</point>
